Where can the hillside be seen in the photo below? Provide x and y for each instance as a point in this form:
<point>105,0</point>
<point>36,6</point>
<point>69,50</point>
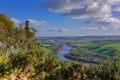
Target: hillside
<point>80,38</point>
<point>23,58</point>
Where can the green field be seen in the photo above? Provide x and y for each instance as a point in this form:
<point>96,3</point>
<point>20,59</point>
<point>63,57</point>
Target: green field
<point>110,48</point>
<point>46,50</point>
<point>94,51</point>
<point>87,51</point>
<point>49,47</point>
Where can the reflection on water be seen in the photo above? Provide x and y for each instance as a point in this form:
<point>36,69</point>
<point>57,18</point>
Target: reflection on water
<point>65,50</point>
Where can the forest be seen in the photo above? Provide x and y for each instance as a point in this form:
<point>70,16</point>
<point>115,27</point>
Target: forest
<point>23,58</point>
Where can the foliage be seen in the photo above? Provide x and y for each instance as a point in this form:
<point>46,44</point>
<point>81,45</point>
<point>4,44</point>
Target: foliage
<point>29,61</point>
<point>6,23</point>
<point>6,29</point>
<point>3,64</point>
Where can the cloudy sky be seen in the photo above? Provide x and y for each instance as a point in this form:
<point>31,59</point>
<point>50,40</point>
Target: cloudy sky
<point>66,17</point>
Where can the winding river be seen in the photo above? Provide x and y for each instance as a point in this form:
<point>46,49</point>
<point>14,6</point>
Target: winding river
<point>65,50</point>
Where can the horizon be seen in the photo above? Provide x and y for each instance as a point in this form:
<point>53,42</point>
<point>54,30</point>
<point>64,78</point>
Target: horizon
<point>66,17</point>
<point>84,36</point>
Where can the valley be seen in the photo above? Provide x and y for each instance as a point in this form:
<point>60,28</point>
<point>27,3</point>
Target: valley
<point>86,50</point>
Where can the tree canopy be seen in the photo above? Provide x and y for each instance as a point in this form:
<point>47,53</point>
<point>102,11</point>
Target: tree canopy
<point>6,23</point>
<point>6,28</point>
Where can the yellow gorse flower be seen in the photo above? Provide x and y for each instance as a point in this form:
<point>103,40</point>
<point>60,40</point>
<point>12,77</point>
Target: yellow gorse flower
<point>3,59</point>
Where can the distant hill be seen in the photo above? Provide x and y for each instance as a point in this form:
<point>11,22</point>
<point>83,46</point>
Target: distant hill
<point>80,38</point>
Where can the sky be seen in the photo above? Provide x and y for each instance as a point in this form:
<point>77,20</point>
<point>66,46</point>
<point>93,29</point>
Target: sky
<point>66,17</point>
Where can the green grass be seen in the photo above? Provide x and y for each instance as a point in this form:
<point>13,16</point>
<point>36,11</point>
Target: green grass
<point>112,46</point>
<point>44,45</point>
<point>87,51</point>
<point>100,48</point>
<point>115,45</point>
<point>46,50</point>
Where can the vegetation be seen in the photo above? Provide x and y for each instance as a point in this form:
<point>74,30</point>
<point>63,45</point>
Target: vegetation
<point>94,51</point>
<point>21,58</point>
<point>110,48</point>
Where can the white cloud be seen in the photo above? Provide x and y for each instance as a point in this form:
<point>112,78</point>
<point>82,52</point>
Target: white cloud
<point>58,30</point>
<point>104,20</point>
<point>117,9</point>
<point>98,11</point>
<point>62,5</point>
<point>93,10</point>
<point>37,23</point>
<point>89,29</point>
<point>115,27</point>
<point>102,28</point>
<point>16,21</point>
<point>63,30</point>
<point>52,30</point>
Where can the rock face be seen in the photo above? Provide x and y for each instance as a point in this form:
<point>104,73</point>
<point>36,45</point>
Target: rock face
<point>0,43</point>
<point>3,44</point>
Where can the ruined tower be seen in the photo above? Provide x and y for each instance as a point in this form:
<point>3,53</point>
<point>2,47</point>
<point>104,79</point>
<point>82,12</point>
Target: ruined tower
<point>27,27</point>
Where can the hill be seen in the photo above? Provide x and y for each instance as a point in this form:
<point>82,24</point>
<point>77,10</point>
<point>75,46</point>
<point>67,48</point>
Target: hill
<point>81,38</point>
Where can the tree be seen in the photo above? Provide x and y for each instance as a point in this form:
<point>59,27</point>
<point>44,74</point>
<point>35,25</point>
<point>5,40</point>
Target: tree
<point>6,23</point>
<point>6,28</point>
<point>20,36</point>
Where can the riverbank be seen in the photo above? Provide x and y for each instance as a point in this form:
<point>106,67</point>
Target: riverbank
<point>89,60</point>
<point>64,50</point>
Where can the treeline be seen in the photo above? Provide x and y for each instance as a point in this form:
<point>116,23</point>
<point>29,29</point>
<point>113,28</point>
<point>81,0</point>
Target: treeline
<point>34,65</point>
<point>21,58</point>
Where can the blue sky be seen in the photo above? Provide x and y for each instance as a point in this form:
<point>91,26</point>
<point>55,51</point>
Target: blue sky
<point>66,17</point>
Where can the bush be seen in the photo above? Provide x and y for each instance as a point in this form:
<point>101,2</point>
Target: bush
<point>18,59</point>
<point>3,65</point>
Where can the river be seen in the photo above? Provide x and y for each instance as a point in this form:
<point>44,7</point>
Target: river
<point>65,50</point>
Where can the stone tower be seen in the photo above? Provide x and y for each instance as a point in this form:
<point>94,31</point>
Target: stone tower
<point>27,27</point>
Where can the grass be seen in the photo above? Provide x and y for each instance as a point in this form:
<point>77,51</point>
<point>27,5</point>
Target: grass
<point>105,48</point>
<point>46,50</point>
<point>115,45</point>
<point>112,46</point>
<point>44,45</point>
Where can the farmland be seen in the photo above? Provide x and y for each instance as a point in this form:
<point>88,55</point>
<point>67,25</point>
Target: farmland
<point>94,51</point>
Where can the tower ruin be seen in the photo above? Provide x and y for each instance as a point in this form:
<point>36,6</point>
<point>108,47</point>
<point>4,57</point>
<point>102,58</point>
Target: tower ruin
<point>27,27</point>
